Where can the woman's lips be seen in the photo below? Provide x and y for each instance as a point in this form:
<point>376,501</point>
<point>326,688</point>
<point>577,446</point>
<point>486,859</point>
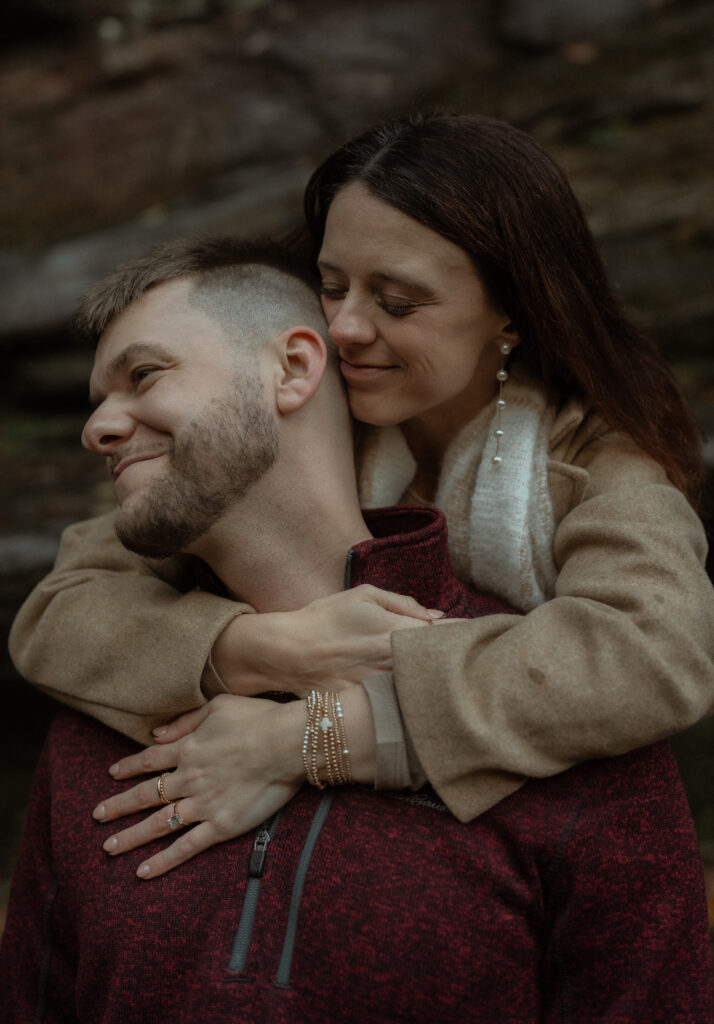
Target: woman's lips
<point>362,372</point>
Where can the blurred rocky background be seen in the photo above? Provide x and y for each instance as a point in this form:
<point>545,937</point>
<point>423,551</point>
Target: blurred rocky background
<point>124,122</point>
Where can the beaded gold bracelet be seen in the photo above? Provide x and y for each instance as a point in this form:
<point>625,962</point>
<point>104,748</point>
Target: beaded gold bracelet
<point>343,753</point>
<point>325,733</point>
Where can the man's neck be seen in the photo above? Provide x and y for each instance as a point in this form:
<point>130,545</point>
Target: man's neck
<point>280,554</point>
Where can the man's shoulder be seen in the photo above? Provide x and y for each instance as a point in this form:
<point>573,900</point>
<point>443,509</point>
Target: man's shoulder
<point>641,785</point>
<point>77,745</point>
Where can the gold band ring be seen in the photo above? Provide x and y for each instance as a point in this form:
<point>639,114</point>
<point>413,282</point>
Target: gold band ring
<point>160,787</point>
<point>175,820</point>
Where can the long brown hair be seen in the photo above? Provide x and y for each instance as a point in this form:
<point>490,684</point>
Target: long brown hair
<point>490,189</point>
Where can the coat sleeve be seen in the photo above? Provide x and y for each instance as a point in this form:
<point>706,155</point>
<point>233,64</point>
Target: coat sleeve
<point>622,656</point>
<point>121,638</point>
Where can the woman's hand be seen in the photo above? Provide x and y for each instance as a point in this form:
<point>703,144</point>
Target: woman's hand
<point>237,762</point>
<point>333,642</point>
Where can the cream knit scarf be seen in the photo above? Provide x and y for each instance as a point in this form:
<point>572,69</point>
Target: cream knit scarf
<point>500,518</point>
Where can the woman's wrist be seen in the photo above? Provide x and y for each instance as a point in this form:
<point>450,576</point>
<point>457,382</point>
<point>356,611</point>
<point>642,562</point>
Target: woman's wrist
<point>246,655</point>
<point>289,725</point>
<point>334,643</point>
<point>338,742</point>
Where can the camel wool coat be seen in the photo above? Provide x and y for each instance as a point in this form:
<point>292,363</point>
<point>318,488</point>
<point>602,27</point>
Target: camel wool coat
<point>622,656</point>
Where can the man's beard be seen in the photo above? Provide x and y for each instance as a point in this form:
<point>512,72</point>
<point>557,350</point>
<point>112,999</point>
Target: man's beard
<point>213,463</point>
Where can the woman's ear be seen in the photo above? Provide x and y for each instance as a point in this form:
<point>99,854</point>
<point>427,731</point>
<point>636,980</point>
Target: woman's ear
<point>509,335</point>
<point>303,357</point>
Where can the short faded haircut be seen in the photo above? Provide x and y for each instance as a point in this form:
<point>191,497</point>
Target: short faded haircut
<point>254,288</point>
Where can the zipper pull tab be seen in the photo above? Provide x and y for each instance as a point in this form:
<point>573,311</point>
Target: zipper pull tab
<point>259,853</point>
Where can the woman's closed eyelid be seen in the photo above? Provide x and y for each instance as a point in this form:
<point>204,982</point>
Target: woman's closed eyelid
<point>397,302</point>
<point>397,308</point>
<point>393,305</point>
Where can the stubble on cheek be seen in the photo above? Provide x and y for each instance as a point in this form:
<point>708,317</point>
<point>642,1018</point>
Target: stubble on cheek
<point>218,458</point>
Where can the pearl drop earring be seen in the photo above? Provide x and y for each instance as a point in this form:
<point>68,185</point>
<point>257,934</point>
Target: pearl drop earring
<point>501,377</point>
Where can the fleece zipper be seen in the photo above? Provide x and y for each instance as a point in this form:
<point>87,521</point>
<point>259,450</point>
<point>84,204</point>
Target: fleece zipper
<point>256,868</point>
<point>282,978</point>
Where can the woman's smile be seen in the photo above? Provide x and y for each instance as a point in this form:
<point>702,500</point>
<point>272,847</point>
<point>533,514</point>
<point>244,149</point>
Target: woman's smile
<point>356,373</point>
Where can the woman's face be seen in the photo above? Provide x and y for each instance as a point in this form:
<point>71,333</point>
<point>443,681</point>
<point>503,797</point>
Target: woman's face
<point>418,337</point>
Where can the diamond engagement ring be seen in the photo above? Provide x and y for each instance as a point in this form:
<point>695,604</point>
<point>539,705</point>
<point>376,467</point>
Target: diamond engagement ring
<point>175,820</point>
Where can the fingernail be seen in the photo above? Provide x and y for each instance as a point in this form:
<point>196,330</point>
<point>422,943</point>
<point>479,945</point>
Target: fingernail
<point>110,844</point>
<point>143,871</point>
<point>114,769</point>
<point>435,613</point>
<point>160,730</point>
<point>99,812</point>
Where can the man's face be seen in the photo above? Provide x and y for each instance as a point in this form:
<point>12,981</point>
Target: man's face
<point>181,418</point>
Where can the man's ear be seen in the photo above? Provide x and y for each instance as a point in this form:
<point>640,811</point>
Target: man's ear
<point>303,357</point>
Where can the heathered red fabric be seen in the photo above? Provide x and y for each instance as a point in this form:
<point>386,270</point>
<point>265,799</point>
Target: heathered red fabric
<point>577,899</point>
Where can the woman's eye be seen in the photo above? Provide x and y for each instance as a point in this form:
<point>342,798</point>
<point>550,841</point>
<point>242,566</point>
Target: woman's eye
<point>396,308</point>
<point>332,291</point>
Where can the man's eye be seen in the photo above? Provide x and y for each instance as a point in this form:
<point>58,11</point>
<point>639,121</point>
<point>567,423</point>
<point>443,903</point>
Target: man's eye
<point>141,373</point>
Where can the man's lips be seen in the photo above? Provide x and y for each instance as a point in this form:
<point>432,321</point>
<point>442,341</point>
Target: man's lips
<point>131,460</point>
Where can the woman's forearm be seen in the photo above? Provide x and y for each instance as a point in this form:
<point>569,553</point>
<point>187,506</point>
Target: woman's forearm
<point>332,643</point>
<point>121,639</point>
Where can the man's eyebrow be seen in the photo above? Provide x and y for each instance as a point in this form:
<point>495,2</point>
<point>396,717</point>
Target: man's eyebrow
<point>137,350</point>
<point>398,279</point>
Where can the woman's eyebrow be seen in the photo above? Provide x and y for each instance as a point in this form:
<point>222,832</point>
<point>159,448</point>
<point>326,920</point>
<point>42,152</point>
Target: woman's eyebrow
<point>324,265</point>
<point>411,283</point>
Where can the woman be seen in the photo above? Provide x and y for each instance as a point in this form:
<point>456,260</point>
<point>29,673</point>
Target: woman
<point>564,458</point>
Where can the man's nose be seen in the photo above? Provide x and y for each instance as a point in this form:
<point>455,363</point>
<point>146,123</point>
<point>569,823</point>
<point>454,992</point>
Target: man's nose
<point>109,425</point>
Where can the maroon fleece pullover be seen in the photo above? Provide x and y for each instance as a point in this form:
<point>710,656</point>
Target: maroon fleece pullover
<point>577,899</point>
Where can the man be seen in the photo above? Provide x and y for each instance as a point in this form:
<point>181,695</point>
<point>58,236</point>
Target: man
<point>577,898</point>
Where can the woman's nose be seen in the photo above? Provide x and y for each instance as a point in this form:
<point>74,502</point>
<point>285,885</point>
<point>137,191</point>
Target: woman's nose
<point>107,427</point>
<point>350,325</point>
